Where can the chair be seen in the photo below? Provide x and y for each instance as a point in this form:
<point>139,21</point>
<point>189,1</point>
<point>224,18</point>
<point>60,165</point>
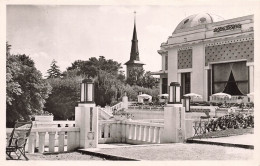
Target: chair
<point>18,138</point>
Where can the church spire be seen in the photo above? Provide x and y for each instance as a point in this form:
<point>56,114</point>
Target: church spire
<point>134,62</point>
<point>134,49</point>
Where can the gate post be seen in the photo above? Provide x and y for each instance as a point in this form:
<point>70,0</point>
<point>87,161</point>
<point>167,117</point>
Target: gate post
<point>86,116</point>
<point>174,124</point>
<point>174,116</point>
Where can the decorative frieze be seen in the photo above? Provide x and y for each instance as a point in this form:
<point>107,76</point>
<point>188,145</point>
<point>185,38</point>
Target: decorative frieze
<point>230,41</point>
<point>227,28</point>
<point>184,48</point>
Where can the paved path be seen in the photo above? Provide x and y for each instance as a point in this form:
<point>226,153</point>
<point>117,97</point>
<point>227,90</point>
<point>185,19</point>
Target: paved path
<point>179,151</point>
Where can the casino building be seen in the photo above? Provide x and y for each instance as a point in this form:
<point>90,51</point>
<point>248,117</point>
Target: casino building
<point>207,54</point>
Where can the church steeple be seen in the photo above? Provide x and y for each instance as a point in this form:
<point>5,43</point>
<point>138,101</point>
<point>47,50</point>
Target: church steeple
<point>134,61</point>
<point>134,49</point>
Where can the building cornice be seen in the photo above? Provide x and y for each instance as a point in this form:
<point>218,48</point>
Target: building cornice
<point>247,35</point>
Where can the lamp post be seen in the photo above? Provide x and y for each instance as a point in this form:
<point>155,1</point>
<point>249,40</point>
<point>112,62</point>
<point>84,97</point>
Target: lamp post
<point>87,91</point>
<point>86,116</point>
<point>187,103</point>
<point>174,93</point>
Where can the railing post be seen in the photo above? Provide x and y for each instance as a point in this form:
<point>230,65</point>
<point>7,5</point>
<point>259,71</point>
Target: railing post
<point>130,131</point>
<point>134,132</point>
<point>71,141</point>
<point>61,141</point>
<point>41,141</point>
<point>32,142</point>
<point>113,132</point>
<point>151,133</point>
<point>158,135</point>
<point>127,134</point>
<point>123,133</point>
<point>154,134</point>
<point>138,132</point>
<point>100,130</point>
<point>118,131</point>
<point>52,141</point>
<point>144,133</point>
<point>148,134</point>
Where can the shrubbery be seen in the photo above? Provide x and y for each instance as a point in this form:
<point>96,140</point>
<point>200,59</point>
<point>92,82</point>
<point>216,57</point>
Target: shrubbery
<point>231,121</point>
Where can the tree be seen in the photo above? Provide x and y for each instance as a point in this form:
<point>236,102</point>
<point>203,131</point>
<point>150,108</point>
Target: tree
<point>54,71</point>
<point>64,97</point>
<point>108,89</point>
<point>92,67</point>
<point>141,78</point>
<point>135,76</point>
<point>148,81</point>
<point>26,91</point>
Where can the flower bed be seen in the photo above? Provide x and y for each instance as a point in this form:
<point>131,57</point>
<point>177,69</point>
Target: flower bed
<point>234,121</point>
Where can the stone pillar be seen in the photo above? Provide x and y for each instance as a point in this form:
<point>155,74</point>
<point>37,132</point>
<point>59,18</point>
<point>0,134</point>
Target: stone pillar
<point>86,118</point>
<point>174,124</point>
<point>251,78</point>
<point>125,102</point>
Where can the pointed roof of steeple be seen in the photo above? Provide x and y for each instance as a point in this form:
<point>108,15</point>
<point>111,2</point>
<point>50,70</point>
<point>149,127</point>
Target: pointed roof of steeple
<point>231,86</point>
<point>134,55</point>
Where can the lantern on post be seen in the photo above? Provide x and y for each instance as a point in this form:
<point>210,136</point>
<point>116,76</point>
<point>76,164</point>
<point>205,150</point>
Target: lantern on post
<point>87,91</point>
<point>187,103</point>
<point>174,93</point>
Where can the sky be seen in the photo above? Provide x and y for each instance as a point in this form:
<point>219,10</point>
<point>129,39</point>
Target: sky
<point>77,32</point>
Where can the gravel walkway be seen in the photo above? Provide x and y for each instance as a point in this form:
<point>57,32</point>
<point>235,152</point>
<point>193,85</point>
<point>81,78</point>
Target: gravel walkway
<point>180,151</point>
<point>62,156</point>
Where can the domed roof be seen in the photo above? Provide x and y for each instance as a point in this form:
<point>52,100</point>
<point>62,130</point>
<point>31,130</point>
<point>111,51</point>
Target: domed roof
<point>197,19</point>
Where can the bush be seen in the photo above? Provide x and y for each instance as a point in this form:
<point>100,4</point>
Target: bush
<point>231,121</point>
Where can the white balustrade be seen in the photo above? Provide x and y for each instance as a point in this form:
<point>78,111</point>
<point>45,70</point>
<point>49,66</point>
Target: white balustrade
<point>50,133</point>
<point>143,132</point>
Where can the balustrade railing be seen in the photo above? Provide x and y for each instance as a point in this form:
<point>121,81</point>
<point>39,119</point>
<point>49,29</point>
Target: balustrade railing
<point>117,107</point>
<point>67,139</point>
<point>136,132</point>
<point>143,132</point>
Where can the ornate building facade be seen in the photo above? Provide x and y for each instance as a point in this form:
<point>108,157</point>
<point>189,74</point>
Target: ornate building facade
<point>207,54</point>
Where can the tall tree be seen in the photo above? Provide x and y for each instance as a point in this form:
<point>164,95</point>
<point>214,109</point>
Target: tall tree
<point>54,71</point>
<point>135,77</point>
<point>141,78</point>
<point>64,97</point>
<point>26,91</point>
<point>92,67</point>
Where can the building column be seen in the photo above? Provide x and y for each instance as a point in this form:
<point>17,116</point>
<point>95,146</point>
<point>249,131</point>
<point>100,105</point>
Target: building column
<point>179,78</point>
<point>251,78</point>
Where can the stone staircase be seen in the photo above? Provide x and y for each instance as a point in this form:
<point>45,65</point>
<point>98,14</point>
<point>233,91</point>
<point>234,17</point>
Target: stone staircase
<point>107,112</point>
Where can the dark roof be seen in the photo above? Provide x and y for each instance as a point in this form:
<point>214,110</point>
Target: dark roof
<point>134,55</point>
